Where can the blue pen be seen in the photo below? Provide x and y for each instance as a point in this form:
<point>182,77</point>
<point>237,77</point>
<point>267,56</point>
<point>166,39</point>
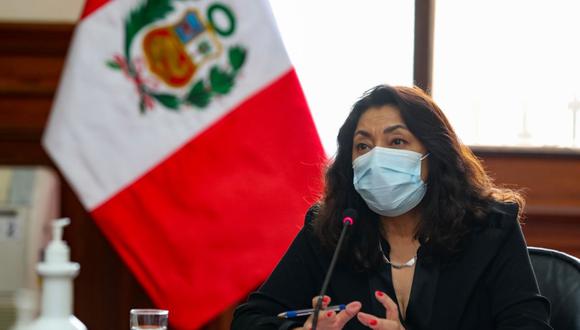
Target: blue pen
<point>305,312</point>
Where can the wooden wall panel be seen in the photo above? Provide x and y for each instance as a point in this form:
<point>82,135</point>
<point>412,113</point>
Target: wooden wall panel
<point>31,60</point>
<point>22,118</point>
<point>553,232</point>
<point>35,39</point>
<point>29,75</point>
<point>551,185</point>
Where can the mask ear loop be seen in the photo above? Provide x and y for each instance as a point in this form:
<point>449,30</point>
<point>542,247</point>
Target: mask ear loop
<point>421,159</point>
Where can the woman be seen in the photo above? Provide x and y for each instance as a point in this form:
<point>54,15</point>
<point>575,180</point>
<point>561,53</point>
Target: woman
<point>436,245</point>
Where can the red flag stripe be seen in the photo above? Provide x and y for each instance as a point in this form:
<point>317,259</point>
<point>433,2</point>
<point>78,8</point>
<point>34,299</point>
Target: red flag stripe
<point>264,155</point>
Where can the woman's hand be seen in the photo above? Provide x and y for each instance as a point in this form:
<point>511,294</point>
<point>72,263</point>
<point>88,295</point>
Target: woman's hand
<point>392,321</point>
<point>330,320</point>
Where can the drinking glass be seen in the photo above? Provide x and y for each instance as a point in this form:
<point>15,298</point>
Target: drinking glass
<point>149,319</point>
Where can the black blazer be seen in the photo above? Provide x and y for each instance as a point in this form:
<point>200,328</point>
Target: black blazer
<point>490,285</point>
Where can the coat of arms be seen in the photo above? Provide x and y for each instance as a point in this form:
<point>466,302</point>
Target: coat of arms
<point>174,54</point>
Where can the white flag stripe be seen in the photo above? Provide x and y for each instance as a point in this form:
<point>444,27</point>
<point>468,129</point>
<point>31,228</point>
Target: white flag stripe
<point>96,133</point>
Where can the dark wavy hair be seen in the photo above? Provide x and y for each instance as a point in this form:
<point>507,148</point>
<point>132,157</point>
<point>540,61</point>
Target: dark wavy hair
<point>457,183</point>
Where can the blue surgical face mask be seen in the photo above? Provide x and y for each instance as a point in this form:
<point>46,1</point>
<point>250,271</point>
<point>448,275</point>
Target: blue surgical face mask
<point>389,180</point>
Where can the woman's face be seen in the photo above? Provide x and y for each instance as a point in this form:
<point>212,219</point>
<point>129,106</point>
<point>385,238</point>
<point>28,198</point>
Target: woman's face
<point>384,127</point>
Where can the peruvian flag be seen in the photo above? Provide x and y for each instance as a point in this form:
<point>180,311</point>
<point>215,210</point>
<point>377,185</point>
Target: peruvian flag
<point>184,131</point>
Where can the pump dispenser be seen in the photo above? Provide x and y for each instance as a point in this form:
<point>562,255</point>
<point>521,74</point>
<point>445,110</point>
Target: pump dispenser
<point>57,286</point>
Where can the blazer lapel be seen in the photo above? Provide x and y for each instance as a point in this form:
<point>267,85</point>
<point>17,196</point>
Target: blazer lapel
<point>380,280</point>
<point>422,296</point>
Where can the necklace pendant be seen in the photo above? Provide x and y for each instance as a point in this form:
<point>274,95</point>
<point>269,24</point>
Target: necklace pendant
<point>407,264</point>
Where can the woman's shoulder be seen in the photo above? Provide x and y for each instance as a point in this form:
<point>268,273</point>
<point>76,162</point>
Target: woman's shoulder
<point>500,224</point>
<point>504,214</point>
<point>499,216</point>
<point>307,236</point>
<point>487,240</point>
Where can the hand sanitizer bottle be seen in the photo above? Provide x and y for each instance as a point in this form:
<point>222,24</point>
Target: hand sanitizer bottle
<point>57,286</point>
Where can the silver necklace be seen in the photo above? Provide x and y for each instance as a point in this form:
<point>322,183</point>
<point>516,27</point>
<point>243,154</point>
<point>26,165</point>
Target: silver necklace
<point>407,264</point>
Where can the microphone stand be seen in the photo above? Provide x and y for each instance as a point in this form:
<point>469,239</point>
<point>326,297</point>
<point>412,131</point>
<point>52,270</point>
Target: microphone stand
<point>346,223</point>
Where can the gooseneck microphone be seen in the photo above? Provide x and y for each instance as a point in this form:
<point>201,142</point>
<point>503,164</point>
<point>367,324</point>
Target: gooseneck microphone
<point>348,217</point>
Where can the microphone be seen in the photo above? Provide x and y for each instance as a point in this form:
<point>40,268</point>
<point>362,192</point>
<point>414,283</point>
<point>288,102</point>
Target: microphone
<point>348,217</point>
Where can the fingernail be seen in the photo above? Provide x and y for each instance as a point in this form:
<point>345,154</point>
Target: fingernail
<point>373,322</point>
<point>325,299</point>
<point>379,293</point>
<point>329,314</point>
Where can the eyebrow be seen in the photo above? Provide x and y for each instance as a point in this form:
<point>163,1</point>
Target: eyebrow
<point>387,130</point>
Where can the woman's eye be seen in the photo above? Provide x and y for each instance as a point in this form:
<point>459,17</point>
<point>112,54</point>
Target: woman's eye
<point>362,147</point>
<point>398,142</point>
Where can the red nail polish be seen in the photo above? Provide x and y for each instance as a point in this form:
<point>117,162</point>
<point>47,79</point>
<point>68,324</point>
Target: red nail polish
<point>325,299</point>
<point>329,314</point>
<point>373,322</point>
<point>379,293</point>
